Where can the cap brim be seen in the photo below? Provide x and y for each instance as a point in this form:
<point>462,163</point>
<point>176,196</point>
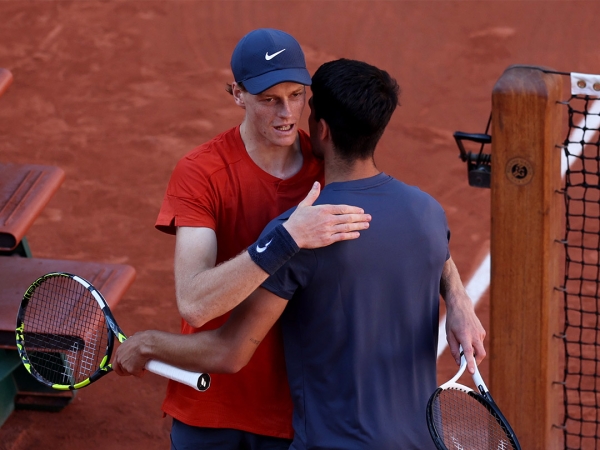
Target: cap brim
<point>263,82</point>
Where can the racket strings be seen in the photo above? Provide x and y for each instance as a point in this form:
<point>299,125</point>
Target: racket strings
<point>65,334</point>
<point>464,423</point>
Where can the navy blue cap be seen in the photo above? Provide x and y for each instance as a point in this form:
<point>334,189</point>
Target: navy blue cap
<point>266,57</point>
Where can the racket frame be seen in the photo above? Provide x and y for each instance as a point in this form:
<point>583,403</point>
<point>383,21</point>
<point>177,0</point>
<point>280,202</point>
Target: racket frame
<point>482,395</point>
<point>197,381</point>
<point>103,368</point>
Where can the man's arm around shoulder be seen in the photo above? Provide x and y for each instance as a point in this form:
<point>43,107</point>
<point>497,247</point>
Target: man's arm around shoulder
<point>205,291</point>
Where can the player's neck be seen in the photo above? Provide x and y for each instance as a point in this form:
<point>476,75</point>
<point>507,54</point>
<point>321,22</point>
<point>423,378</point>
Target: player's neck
<point>280,161</point>
<point>337,170</point>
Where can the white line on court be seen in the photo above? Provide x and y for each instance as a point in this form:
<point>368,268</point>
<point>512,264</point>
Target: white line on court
<point>480,281</point>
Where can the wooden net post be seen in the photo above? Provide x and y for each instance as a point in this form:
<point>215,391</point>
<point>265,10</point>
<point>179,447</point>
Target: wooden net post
<point>527,215</point>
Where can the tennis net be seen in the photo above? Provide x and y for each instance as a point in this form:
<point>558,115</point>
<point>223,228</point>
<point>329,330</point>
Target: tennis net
<point>581,288</point>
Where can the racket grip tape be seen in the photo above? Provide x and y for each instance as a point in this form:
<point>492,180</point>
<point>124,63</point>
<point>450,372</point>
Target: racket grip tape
<point>198,381</point>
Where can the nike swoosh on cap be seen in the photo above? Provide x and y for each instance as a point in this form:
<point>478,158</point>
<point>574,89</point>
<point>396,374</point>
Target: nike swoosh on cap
<point>262,249</point>
<point>270,57</point>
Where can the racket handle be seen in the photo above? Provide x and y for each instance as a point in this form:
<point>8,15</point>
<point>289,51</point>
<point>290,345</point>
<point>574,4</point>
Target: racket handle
<point>198,381</point>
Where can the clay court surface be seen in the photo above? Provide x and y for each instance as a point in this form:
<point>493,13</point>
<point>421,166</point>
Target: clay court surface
<point>115,92</point>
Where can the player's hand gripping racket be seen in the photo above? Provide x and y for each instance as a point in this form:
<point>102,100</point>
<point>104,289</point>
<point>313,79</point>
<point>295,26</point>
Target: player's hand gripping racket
<point>65,335</point>
<point>460,418</point>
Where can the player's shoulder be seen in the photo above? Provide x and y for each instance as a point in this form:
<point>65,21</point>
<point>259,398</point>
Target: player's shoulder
<point>213,155</point>
<point>416,194</point>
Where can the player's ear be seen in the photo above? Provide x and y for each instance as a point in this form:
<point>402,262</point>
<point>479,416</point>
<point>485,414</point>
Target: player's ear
<point>238,95</point>
<point>323,130</point>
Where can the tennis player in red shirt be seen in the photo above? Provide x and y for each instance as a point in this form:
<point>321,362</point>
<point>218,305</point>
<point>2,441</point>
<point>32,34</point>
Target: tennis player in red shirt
<point>219,198</point>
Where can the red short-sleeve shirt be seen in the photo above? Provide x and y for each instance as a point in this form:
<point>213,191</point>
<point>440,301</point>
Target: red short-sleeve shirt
<point>218,186</point>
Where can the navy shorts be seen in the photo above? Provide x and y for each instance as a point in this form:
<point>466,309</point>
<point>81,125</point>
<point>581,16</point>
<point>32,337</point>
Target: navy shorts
<point>186,437</point>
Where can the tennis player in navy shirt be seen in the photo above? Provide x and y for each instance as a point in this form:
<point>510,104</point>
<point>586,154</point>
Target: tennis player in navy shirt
<point>360,330</point>
<point>359,318</point>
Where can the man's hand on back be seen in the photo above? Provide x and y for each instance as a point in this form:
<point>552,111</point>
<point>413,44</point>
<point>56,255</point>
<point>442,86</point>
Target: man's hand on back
<point>322,225</point>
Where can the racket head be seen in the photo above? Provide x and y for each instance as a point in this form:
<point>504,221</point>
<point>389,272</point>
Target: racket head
<point>62,335</point>
<point>459,417</point>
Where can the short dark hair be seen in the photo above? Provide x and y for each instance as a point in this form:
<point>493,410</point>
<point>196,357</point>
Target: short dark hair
<point>356,100</point>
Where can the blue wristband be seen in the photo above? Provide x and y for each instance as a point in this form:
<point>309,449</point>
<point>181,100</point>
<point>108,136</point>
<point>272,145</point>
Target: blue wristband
<point>273,250</point>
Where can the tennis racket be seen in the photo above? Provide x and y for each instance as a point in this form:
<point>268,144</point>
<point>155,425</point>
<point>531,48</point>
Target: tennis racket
<point>66,332</point>
<point>460,418</point>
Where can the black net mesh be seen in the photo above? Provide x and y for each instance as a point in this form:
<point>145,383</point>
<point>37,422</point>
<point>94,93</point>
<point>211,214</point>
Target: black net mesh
<point>582,275</point>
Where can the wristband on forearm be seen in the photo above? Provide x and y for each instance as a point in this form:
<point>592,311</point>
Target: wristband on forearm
<point>273,250</point>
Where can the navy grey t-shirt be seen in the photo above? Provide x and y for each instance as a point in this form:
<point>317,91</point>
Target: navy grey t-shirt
<point>361,327</point>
